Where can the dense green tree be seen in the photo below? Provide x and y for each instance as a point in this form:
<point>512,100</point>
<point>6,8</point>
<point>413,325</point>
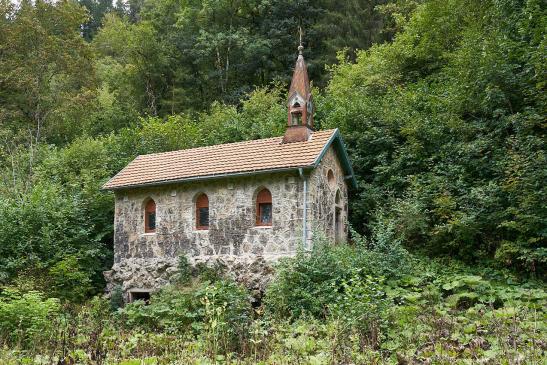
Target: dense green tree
<point>207,51</point>
<point>45,70</point>
<point>96,10</point>
<point>62,216</point>
<point>131,64</point>
<point>446,124</point>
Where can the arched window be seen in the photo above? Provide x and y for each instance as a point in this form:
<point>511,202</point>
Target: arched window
<point>264,208</point>
<point>202,212</point>
<point>330,178</point>
<point>150,216</point>
<point>338,222</point>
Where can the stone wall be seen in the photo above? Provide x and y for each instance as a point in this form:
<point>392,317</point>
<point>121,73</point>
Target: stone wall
<point>322,198</point>
<point>148,260</point>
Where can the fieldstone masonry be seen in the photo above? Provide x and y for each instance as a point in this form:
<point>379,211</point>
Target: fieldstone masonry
<point>233,241</point>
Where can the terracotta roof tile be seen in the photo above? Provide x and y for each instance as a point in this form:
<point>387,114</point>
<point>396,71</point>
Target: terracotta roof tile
<point>300,82</point>
<point>224,159</point>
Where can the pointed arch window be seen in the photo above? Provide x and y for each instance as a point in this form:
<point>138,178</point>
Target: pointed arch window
<point>150,216</point>
<point>264,208</point>
<point>202,212</point>
<point>338,220</point>
<point>331,181</point>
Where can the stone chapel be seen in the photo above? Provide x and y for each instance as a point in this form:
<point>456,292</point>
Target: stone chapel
<point>242,204</point>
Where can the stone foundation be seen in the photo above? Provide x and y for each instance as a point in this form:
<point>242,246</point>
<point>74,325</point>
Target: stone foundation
<point>253,272</point>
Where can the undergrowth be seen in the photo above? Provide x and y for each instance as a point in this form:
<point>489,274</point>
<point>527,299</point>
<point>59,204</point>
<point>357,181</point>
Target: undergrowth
<point>335,305</point>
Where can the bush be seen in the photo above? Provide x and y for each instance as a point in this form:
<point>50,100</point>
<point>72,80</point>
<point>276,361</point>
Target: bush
<point>70,281</point>
<point>215,310</point>
<point>447,132</point>
<point>309,282</point>
<point>51,227</point>
<point>184,270</point>
<point>116,298</point>
<point>361,308</point>
<point>27,318</point>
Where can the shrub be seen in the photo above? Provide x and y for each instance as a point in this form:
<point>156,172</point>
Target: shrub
<point>69,280</point>
<point>26,318</point>
<point>226,316</point>
<point>361,308</point>
<point>383,251</point>
<point>52,230</point>
<point>214,310</point>
<point>185,270</point>
<point>309,282</point>
<point>116,298</point>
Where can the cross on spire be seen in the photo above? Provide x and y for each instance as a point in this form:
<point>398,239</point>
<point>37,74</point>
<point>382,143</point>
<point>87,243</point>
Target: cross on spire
<point>300,46</point>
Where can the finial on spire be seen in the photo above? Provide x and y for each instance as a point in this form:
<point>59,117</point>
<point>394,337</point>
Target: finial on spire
<point>300,47</point>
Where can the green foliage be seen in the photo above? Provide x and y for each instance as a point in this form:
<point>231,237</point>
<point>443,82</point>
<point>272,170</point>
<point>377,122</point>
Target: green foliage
<point>262,115</point>
<point>116,298</point>
<point>45,71</point>
<point>27,318</point>
<point>218,313</point>
<point>64,220</point>
<point>214,310</point>
<point>311,281</point>
<point>80,169</point>
<point>475,309</point>
<point>220,51</point>
<point>50,226</point>
<point>97,10</point>
<point>445,130</point>
<point>184,270</point>
<point>410,318</point>
<point>361,306</point>
<point>69,280</point>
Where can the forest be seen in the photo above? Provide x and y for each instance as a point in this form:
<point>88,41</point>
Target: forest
<point>442,106</point>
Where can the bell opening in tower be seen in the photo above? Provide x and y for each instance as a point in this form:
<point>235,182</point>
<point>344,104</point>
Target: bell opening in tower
<point>296,118</point>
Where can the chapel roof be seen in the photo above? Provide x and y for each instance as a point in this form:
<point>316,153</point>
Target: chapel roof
<point>231,159</point>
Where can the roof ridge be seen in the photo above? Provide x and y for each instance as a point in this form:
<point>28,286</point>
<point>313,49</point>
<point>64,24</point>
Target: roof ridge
<point>232,144</point>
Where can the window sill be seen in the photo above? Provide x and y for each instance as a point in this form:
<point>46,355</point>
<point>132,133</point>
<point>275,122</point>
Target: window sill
<point>148,234</point>
<point>201,229</point>
<point>263,227</point>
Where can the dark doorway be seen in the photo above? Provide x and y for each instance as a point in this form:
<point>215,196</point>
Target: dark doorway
<point>143,295</point>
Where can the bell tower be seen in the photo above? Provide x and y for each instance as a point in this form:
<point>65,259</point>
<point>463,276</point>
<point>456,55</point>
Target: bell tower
<point>300,105</point>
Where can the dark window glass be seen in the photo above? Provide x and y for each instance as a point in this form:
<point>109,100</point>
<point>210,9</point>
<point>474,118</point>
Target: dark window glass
<point>203,220</point>
<point>151,221</point>
<point>150,217</point>
<point>265,213</point>
<point>202,212</point>
<point>264,208</point>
